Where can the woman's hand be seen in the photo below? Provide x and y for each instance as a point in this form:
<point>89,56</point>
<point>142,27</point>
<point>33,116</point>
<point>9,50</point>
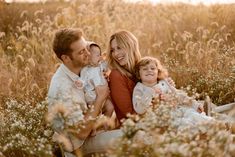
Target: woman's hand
<point>170,81</point>
<point>106,74</point>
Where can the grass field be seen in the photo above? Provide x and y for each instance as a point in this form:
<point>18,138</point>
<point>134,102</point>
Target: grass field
<point>195,43</point>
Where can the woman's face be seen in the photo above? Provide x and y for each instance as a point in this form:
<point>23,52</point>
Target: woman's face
<point>118,53</point>
<point>149,73</point>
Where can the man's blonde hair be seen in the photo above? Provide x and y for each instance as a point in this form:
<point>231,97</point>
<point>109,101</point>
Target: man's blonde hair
<point>129,43</point>
<point>162,72</point>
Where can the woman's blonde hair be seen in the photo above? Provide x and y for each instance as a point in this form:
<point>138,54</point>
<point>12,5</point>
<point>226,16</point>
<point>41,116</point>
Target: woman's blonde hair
<point>162,72</point>
<point>129,43</point>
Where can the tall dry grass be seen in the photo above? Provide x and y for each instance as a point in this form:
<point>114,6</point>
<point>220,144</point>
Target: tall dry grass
<point>196,43</point>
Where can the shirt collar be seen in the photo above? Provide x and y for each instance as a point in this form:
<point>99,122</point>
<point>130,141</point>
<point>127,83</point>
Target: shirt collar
<point>69,73</point>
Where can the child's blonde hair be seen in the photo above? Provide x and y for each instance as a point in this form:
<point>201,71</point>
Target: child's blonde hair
<point>162,72</point>
<point>128,41</point>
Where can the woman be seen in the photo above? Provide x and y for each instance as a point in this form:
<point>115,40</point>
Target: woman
<point>123,53</point>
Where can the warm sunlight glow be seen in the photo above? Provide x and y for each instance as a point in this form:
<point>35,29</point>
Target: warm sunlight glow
<point>206,2</point>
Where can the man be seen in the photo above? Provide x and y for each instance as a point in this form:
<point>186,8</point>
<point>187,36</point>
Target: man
<point>69,46</point>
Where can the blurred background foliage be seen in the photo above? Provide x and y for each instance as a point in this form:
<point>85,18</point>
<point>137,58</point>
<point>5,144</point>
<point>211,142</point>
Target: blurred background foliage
<point>196,44</point>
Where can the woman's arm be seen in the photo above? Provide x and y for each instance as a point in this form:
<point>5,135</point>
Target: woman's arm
<point>120,93</point>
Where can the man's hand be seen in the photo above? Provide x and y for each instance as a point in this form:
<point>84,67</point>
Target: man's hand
<point>102,92</point>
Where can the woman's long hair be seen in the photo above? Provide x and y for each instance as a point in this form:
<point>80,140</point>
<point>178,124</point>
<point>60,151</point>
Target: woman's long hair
<point>127,41</point>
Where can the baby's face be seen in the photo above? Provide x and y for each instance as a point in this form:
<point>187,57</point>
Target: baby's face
<point>149,73</point>
<point>95,55</point>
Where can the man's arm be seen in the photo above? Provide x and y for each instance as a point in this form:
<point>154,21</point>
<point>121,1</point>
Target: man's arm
<point>102,92</point>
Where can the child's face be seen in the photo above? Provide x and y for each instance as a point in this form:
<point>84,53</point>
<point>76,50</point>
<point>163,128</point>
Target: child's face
<point>149,73</point>
<point>95,55</point>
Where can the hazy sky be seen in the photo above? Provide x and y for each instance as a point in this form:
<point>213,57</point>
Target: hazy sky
<point>160,1</point>
<point>191,1</point>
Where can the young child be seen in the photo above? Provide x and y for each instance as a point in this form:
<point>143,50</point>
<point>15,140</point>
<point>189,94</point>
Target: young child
<point>92,75</point>
<point>152,74</point>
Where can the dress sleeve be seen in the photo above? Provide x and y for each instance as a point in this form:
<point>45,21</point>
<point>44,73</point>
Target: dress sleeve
<point>120,94</point>
<point>142,99</point>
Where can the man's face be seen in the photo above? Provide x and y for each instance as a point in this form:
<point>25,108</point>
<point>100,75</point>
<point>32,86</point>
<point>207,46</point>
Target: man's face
<point>80,54</point>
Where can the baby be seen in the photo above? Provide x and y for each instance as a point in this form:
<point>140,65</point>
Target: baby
<point>152,76</point>
<point>92,75</point>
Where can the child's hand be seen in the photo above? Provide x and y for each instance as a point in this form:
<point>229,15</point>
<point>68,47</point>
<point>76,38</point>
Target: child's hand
<point>156,100</point>
<point>200,108</point>
<point>159,94</point>
<point>162,97</point>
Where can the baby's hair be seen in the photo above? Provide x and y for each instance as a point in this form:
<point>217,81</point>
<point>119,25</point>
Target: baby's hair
<point>162,72</point>
<point>91,44</point>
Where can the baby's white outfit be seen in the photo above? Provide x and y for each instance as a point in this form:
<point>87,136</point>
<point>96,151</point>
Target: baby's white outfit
<point>92,76</point>
<point>143,95</point>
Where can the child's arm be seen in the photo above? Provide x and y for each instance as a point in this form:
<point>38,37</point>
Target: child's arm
<point>141,100</point>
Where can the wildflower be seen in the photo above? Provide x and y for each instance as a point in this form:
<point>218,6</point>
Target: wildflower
<point>62,139</point>
<point>2,34</point>
<point>23,13</point>
<point>38,12</point>
<point>31,62</point>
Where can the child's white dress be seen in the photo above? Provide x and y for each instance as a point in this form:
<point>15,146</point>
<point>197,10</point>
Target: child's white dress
<point>143,95</point>
<point>92,76</point>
